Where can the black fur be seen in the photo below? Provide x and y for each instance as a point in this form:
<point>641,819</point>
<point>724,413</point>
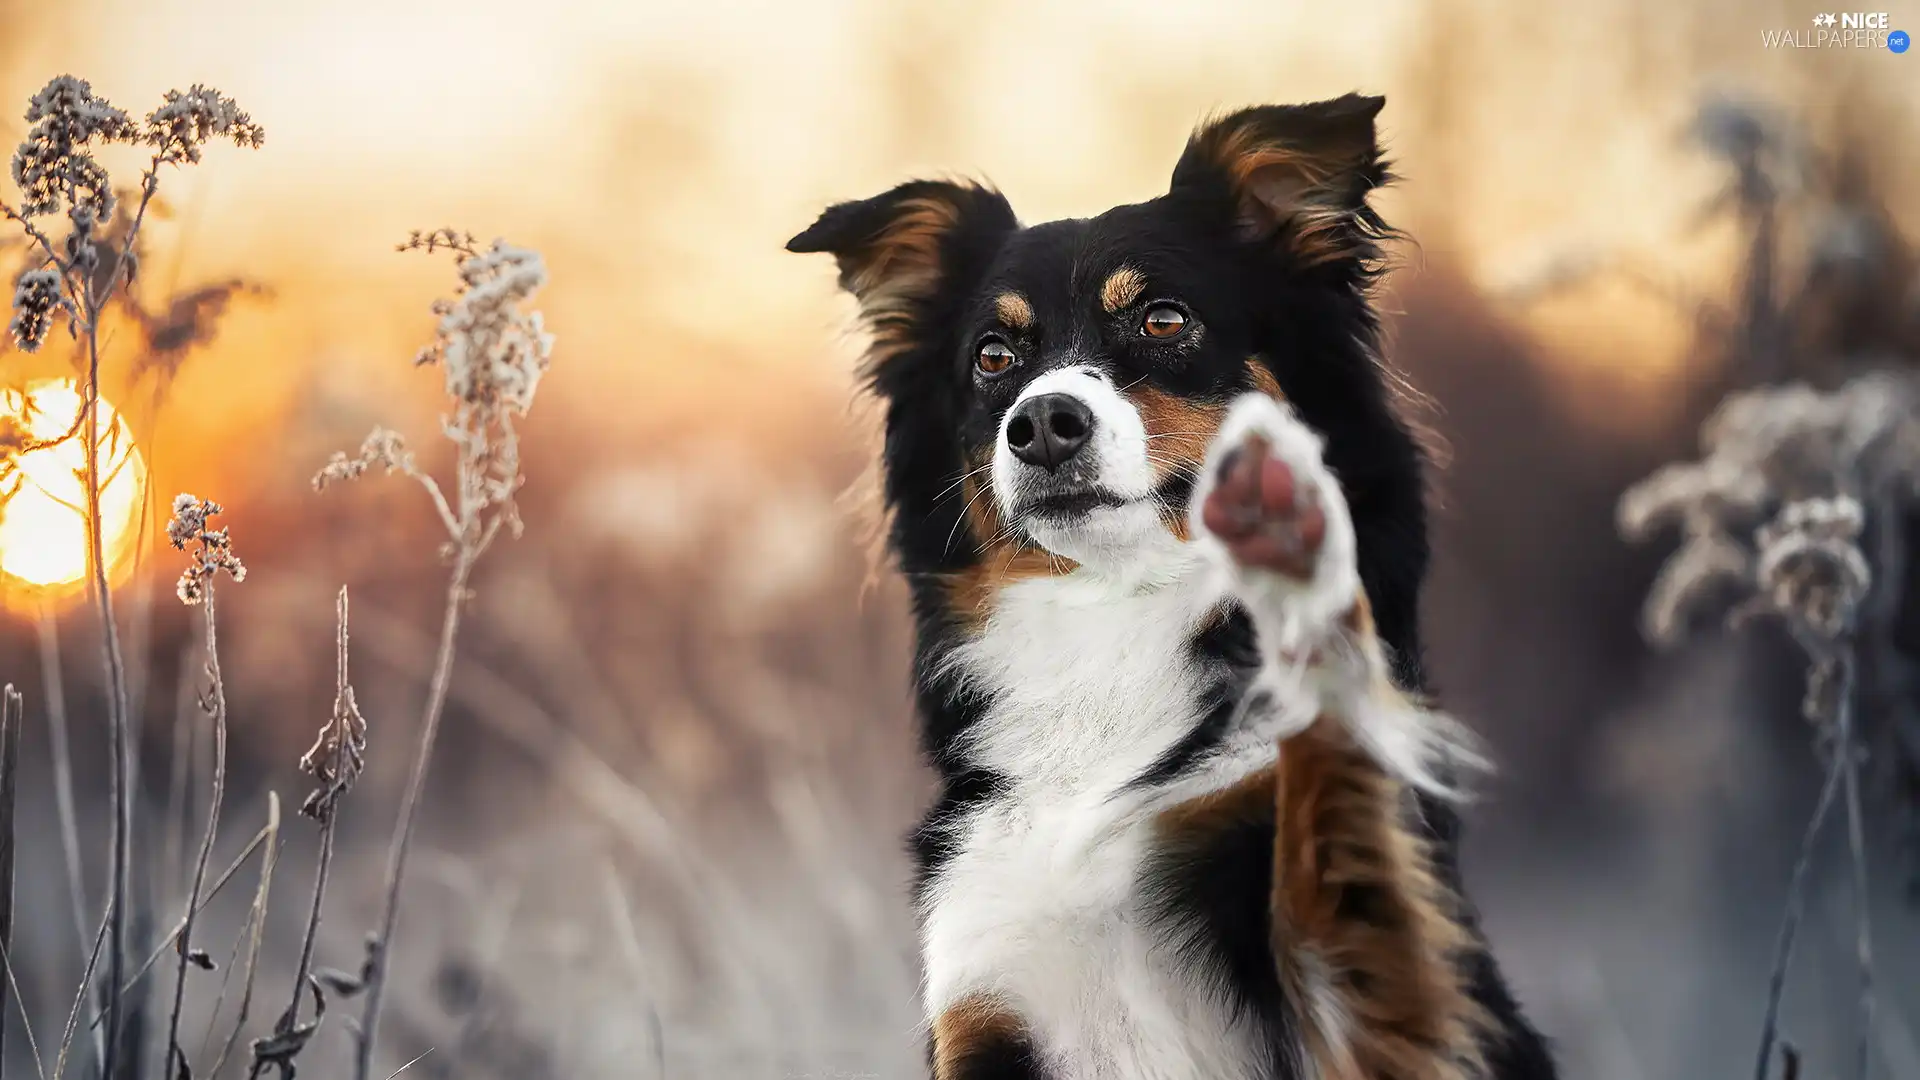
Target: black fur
<point>1227,648</point>
<point>1289,289</point>
<point>1214,897</point>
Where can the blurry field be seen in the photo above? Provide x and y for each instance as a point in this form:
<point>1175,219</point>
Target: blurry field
<point>664,827</point>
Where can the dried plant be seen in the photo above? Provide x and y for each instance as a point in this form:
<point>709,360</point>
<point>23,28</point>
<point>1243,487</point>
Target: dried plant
<point>77,278</point>
<point>211,553</point>
<point>1797,509</point>
<point>492,354</point>
<point>11,721</point>
<point>337,756</point>
<point>1772,517</point>
<point>1777,506</point>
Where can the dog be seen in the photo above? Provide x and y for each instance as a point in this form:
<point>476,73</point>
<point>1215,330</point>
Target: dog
<point>1163,523</point>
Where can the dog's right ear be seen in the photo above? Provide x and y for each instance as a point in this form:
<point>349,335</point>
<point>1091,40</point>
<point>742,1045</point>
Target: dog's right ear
<point>901,248</point>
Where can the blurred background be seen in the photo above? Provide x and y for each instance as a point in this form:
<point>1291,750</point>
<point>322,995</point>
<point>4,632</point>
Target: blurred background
<point>663,832</point>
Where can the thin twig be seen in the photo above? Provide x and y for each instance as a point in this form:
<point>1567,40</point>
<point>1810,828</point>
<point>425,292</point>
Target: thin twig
<point>11,708</point>
<point>411,1064</point>
<point>80,997</point>
<point>55,690</point>
<point>119,732</point>
<point>183,774</point>
<point>379,949</point>
<point>219,884</point>
<point>1797,890</point>
<point>329,813</point>
<point>215,705</point>
<point>1856,846</point>
<point>26,1022</point>
<point>259,915</point>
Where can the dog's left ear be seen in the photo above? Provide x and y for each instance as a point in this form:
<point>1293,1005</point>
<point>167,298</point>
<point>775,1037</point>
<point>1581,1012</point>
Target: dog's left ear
<point>902,247</point>
<point>1292,175</point>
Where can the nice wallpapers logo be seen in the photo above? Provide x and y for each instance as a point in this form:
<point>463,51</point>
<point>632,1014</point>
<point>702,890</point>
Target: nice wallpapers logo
<point>1842,30</point>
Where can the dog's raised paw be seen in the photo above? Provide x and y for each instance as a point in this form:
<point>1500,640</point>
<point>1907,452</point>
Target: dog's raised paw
<point>1274,511</point>
<point>1262,513</point>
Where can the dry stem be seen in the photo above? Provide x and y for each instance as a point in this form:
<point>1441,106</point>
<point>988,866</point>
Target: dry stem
<point>215,704</point>
<point>11,709</point>
<point>378,951</point>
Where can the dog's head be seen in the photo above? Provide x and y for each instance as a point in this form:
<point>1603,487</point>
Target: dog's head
<point>1051,390</point>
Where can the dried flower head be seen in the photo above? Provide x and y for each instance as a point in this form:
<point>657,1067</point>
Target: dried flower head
<point>1708,567</point>
<point>1810,566</point>
<point>56,172</point>
<point>493,354</point>
<point>382,447</point>
<point>1774,511</point>
<point>36,296</point>
<point>53,166</point>
<point>187,121</point>
<point>438,239</point>
<point>212,549</point>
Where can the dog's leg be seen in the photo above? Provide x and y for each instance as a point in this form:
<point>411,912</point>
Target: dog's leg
<point>1273,520</point>
<point>1364,932</point>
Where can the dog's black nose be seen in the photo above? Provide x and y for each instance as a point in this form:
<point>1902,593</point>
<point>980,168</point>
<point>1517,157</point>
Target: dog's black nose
<point>1048,429</point>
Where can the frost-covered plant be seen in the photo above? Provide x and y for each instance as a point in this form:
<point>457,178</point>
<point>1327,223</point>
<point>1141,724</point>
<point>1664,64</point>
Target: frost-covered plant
<point>335,760</point>
<point>492,352</point>
<point>1773,517</point>
<point>77,276</point>
<point>1776,507</point>
<point>211,553</point>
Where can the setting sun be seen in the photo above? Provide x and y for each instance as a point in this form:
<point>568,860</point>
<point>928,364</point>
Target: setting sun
<point>43,539</point>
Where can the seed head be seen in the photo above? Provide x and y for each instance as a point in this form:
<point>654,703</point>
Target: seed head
<point>211,549</point>
<point>36,296</point>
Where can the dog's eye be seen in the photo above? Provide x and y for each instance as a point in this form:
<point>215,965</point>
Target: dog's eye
<point>995,357</point>
<point>1163,322</point>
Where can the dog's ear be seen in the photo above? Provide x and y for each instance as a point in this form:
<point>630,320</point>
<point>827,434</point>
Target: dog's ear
<point>900,248</point>
<point>1293,175</point>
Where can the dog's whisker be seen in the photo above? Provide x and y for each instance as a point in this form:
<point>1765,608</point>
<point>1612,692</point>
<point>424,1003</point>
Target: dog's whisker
<point>964,477</point>
<point>947,548</point>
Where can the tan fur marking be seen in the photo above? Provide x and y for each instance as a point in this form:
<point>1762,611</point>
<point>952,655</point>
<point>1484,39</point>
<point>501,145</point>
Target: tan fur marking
<point>1003,559</point>
<point>1249,798</point>
<point>1121,288</point>
<point>1365,931</point>
<point>1179,430</point>
<point>901,265</point>
<point>1286,187</point>
<point>972,1024</point>
<point>1263,380</point>
<point>1014,310</point>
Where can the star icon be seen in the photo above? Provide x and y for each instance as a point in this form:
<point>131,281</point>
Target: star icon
<point>1824,20</point>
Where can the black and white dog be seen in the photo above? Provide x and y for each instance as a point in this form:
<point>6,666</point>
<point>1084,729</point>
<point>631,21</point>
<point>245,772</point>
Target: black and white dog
<point>1165,532</point>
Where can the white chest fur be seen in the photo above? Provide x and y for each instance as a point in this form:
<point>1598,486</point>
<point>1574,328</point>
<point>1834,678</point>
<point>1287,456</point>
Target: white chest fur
<point>1092,681</point>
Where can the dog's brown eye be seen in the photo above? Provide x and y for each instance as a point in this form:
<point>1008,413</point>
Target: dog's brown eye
<point>995,357</point>
<point>1163,322</point>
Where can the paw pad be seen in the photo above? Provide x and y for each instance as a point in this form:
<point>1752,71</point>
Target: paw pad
<point>1263,511</point>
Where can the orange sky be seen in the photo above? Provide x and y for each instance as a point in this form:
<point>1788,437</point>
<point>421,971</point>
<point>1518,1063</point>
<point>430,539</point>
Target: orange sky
<point>660,154</point>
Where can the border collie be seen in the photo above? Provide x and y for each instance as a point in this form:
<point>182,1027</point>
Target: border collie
<point>1164,530</point>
